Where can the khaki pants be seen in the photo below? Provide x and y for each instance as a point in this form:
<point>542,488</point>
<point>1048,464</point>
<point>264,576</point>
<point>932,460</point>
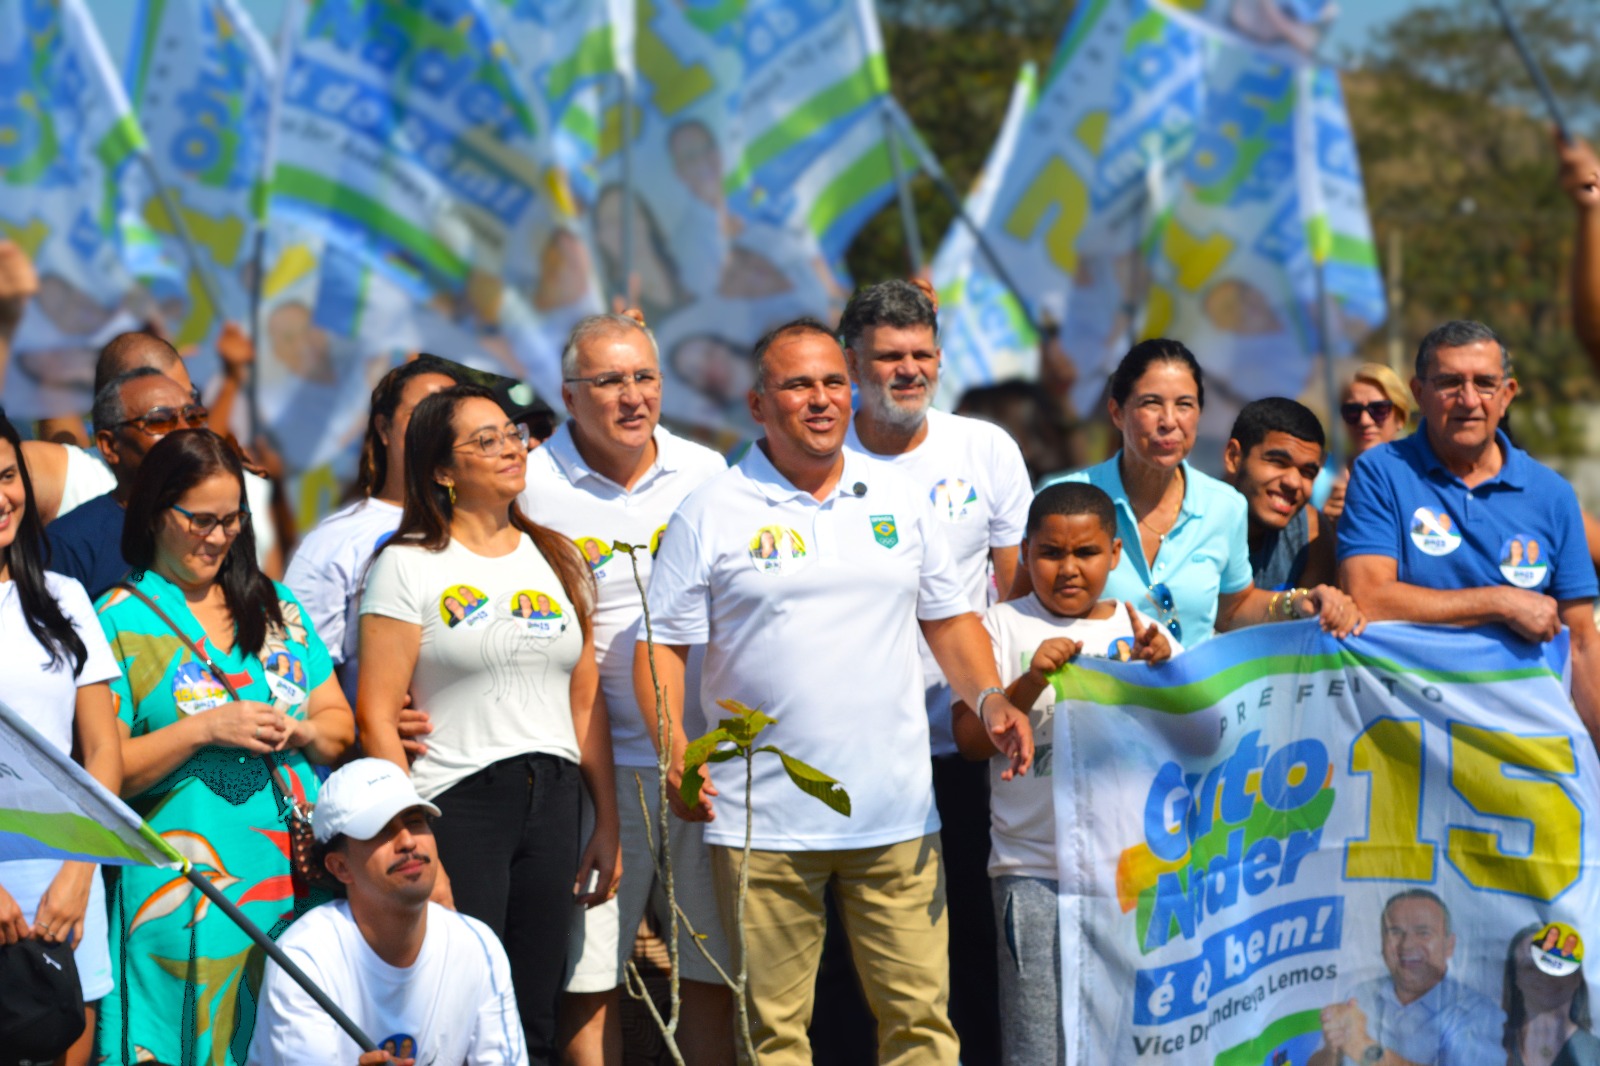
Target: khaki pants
<point>892,900</point>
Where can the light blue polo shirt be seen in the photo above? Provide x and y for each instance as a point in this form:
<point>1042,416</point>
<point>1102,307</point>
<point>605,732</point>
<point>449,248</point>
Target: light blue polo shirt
<point>1206,555</point>
<point>1522,527</point>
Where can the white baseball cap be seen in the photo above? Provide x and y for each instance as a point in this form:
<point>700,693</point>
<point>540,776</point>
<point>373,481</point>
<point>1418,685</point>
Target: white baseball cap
<point>360,797</point>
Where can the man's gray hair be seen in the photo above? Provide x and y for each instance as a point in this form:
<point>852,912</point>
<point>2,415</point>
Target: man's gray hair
<point>108,407</point>
<point>1458,334</point>
<point>889,303</point>
<point>594,328</point>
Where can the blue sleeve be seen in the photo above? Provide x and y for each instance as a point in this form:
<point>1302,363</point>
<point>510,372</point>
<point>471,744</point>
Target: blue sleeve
<point>1237,574</point>
<point>1472,1037</point>
<point>1369,523</point>
<point>1574,578</point>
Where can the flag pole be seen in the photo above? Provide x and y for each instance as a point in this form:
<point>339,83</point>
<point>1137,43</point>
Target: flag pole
<point>1535,71</point>
<point>627,184</point>
<point>942,181</point>
<point>1330,381</point>
<point>908,210</point>
<point>275,953</point>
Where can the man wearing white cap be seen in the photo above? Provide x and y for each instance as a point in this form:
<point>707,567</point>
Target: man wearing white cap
<point>428,984</point>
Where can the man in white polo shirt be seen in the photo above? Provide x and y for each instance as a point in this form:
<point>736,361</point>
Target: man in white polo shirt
<point>977,484</point>
<point>612,473</point>
<point>807,571</point>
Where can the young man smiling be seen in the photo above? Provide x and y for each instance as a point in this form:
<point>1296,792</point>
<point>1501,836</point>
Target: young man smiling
<point>1273,457</point>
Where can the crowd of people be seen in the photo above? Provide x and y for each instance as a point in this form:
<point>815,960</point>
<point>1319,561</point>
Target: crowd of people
<point>459,679</point>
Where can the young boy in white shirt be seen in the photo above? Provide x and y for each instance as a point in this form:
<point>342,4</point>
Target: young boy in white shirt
<point>1070,549</point>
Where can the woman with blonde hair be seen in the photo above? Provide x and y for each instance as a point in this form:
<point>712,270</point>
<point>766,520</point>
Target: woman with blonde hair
<point>1375,406</point>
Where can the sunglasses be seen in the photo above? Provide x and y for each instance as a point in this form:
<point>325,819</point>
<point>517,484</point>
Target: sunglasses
<point>1161,598</point>
<point>1380,410</point>
<point>159,421</point>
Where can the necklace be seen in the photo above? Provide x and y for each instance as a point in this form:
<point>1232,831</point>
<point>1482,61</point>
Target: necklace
<point>1161,534</point>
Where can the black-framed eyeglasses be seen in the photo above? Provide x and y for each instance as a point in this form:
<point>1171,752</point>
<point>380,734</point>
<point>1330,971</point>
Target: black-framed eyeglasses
<point>646,380</point>
<point>1166,608</point>
<point>202,524</point>
<point>1380,410</point>
<point>159,421</point>
<point>489,444</point>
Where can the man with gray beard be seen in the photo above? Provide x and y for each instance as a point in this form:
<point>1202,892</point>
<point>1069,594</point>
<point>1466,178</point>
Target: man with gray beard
<point>977,482</point>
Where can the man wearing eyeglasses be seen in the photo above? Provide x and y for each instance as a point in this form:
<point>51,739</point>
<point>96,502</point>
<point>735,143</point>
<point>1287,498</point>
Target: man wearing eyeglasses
<point>612,473</point>
<point>131,412</point>
<point>1437,526</point>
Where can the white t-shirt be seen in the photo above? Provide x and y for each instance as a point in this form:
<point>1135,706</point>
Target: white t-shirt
<point>88,476</point>
<point>978,487</point>
<point>809,611</point>
<point>454,1004</point>
<point>499,643</point>
<point>1022,810</point>
<point>326,575</point>
<point>46,698</point>
<point>567,496</point>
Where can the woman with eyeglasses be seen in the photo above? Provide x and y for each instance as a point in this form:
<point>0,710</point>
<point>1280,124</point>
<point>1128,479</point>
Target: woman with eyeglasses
<point>55,665</point>
<point>1375,407</point>
<point>216,748</point>
<point>1185,544</point>
<point>518,725</point>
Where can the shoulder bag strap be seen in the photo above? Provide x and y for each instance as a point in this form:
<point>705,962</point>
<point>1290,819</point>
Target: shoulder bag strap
<point>285,795</point>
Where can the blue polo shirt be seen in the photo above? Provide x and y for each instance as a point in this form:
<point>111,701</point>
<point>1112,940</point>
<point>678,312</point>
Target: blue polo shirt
<point>86,544</point>
<point>1522,527</point>
<point>1206,555</point>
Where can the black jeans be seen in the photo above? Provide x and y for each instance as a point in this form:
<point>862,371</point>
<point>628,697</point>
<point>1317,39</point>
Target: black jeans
<point>508,838</point>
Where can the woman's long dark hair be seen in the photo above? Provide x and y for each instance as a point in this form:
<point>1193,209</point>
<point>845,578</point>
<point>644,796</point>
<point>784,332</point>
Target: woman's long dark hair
<point>1517,1011</point>
<point>385,401</point>
<point>178,463</point>
<point>425,522</point>
<point>26,557</point>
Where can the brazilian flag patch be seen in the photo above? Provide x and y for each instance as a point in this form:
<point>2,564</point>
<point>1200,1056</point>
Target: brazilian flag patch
<point>883,528</point>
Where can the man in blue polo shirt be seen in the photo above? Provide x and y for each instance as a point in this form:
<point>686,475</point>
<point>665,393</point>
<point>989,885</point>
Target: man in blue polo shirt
<point>1454,525</point>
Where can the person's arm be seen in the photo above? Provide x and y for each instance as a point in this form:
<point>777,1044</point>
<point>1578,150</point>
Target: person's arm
<point>1005,568</point>
<point>62,907</point>
<point>1339,613</point>
<point>47,469</point>
<point>381,689</point>
<point>1578,617</point>
<point>1580,177</point>
<point>961,646</point>
<point>602,854</point>
<point>972,739</point>
<point>671,668</point>
<point>237,355</point>
<point>1322,563</point>
<point>18,284</point>
<point>328,729</point>
<point>250,725</point>
<point>1373,582</point>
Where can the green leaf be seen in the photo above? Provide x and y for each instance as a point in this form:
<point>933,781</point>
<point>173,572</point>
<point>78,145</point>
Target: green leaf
<point>702,751</point>
<point>623,546</point>
<point>813,782</point>
<point>747,723</point>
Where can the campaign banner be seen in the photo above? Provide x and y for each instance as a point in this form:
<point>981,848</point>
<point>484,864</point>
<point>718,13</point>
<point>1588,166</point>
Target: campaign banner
<point>1281,848</point>
<point>50,808</point>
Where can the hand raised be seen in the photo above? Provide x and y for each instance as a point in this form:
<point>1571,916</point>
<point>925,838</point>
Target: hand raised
<point>1150,644</point>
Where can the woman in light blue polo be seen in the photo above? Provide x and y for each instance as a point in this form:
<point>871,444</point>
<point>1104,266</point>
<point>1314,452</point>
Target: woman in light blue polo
<point>1185,552</point>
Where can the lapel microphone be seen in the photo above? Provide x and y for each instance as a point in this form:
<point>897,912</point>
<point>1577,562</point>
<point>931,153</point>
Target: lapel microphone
<point>859,488</point>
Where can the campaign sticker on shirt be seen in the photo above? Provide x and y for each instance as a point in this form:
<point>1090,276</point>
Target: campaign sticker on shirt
<point>597,553</point>
<point>463,603</point>
<point>286,677</point>
<point>1522,562</point>
<point>400,1045</point>
<point>1434,533</point>
<point>195,690</point>
<point>537,612</point>
<point>1557,949</point>
<point>954,499</point>
<point>655,540</point>
<point>777,550</point>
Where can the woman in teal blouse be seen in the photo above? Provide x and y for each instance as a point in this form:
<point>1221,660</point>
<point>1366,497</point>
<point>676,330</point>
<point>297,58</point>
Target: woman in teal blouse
<point>195,759</point>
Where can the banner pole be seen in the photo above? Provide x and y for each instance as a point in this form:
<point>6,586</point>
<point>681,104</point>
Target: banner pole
<point>627,185</point>
<point>1329,378</point>
<point>942,181</point>
<point>275,953</point>
<point>1535,71</point>
<point>908,210</point>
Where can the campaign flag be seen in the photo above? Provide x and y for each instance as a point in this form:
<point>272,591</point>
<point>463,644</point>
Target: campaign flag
<point>1190,174</point>
<point>201,78</point>
<point>70,193</point>
<point>50,808</point>
<point>1280,835</point>
<point>983,329</point>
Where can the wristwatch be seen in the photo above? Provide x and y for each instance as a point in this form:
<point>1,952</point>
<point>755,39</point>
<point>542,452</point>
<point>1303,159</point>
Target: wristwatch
<point>992,690</point>
<point>1374,1053</point>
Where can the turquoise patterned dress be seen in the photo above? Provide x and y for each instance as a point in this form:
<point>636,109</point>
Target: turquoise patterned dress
<point>186,976</point>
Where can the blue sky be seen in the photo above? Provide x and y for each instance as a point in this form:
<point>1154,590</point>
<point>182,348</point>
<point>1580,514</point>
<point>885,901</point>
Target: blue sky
<point>1356,20</point>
